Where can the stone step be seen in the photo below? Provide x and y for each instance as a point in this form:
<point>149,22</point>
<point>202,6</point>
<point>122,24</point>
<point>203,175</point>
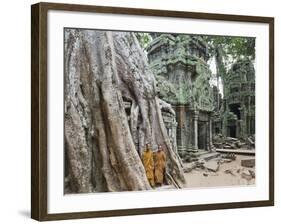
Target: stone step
<point>200,153</point>
<point>237,151</point>
<point>210,155</point>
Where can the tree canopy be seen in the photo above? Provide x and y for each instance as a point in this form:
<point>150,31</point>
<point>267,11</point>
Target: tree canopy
<point>231,48</point>
<point>144,39</point>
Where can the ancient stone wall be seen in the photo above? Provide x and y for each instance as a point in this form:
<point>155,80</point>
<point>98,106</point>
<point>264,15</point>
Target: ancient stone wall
<point>239,97</point>
<point>179,63</point>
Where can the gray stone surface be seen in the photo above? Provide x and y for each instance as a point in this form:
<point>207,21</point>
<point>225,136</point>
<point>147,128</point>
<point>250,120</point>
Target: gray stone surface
<point>212,165</point>
<point>248,163</point>
<point>179,63</point>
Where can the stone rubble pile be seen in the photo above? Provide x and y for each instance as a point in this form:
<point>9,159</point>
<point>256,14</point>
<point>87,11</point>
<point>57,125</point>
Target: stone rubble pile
<point>244,173</point>
<point>233,143</point>
<point>212,165</point>
<point>246,169</point>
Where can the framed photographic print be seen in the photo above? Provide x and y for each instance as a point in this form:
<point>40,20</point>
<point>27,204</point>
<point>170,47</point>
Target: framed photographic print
<point>139,111</point>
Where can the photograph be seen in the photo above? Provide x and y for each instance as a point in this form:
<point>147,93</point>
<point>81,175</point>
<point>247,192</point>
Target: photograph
<point>157,111</point>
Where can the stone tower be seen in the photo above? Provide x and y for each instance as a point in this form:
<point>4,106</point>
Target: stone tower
<point>239,100</point>
<point>179,63</point>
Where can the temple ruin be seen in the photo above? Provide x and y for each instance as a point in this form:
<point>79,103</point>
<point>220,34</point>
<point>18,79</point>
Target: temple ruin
<point>179,63</point>
<point>236,117</point>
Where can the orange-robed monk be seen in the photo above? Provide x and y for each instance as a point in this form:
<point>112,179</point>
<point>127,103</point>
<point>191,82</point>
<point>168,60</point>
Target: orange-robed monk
<point>148,162</point>
<point>160,166</point>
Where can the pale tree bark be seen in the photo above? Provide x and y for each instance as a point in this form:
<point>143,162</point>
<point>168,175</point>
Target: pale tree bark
<point>103,144</point>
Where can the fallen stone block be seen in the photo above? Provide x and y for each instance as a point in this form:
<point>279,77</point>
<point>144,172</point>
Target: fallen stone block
<point>249,163</point>
<point>252,173</point>
<point>212,166</point>
<point>231,156</point>
<point>199,164</point>
<point>229,172</point>
<point>246,174</point>
<point>188,167</point>
<point>241,144</point>
<point>227,147</point>
<point>231,139</point>
<point>226,160</point>
<point>251,141</point>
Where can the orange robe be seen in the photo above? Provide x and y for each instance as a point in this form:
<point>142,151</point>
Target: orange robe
<point>147,159</point>
<point>160,165</point>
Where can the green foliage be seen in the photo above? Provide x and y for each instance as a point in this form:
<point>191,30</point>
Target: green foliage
<point>144,39</point>
<point>242,47</point>
<point>231,49</point>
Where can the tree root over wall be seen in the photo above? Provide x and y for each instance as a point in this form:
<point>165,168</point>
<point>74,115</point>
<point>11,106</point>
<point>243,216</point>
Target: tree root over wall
<point>102,146</point>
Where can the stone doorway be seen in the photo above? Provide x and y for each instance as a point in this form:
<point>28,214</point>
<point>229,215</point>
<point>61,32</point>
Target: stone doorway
<point>235,108</point>
<point>202,135</point>
<point>232,131</point>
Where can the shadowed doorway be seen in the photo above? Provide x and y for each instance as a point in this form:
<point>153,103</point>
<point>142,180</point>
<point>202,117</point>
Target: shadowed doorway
<point>202,135</point>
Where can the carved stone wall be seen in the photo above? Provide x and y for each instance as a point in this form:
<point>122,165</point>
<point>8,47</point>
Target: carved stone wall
<point>238,116</point>
<point>179,63</point>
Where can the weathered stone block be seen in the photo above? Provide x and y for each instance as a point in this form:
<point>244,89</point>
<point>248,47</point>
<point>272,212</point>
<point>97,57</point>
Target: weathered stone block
<point>248,163</point>
<point>212,166</point>
<point>248,174</point>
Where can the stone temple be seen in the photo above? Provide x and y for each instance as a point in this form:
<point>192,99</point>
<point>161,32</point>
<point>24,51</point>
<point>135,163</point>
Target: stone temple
<point>179,63</point>
<point>236,117</point>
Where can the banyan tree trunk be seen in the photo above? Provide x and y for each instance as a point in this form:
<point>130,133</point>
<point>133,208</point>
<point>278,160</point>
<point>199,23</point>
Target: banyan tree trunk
<point>104,138</point>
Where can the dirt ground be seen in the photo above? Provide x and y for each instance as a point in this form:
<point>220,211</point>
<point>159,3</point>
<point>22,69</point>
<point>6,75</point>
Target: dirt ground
<point>228,174</point>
